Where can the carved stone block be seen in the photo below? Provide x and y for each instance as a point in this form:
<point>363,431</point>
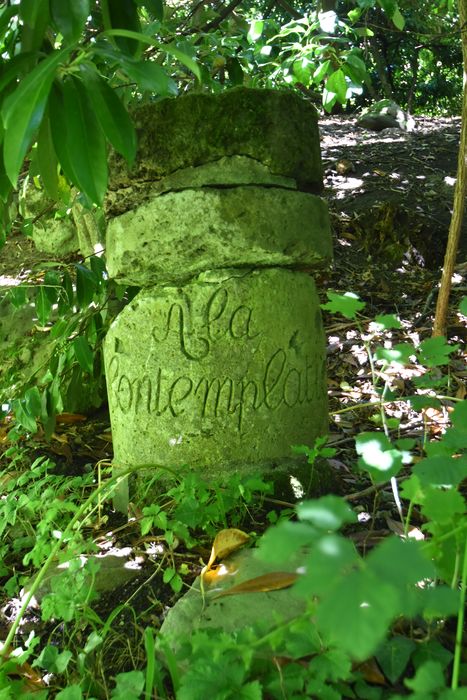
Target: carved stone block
<point>228,370</point>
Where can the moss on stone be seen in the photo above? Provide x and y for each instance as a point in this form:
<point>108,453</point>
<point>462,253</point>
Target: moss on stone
<point>277,128</point>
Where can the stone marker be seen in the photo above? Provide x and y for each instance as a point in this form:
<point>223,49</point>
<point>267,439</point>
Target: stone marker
<point>228,369</point>
<point>218,363</point>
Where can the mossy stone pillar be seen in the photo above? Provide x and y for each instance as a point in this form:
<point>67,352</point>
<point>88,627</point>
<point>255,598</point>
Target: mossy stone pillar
<point>218,363</point>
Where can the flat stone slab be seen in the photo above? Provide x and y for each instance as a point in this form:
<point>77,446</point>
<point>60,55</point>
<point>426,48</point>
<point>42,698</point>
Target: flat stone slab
<point>226,371</point>
<point>115,570</point>
<point>226,171</point>
<point>234,612</point>
<point>180,234</point>
<point>277,128</point>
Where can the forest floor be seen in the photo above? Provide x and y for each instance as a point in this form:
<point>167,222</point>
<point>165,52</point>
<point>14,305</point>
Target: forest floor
<point>390,197</point>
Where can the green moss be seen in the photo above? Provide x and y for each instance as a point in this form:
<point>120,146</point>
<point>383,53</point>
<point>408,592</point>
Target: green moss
<point>277,128</point>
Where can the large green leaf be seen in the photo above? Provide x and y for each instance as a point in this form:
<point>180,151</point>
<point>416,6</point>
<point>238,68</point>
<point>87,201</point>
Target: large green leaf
<point>123,15</point>
<point>171,49</point>
<point>156,7</point>
<point>5,16</point>
<point>78,139</point>
<point>357,613</point>
<point>150,76</point>
<point>23,110</point>
<point>35,16</point>
<point>57,116</point>
<point>15,66</point>
<point>86,285</point>
<point>70,17</point>
<point>337,85</point>
<point>111,114</point>
<point>47,160</point>
<point>43,305</point>
<point>84,354</point>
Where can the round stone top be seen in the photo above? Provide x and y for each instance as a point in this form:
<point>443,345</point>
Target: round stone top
<point>276,128</point>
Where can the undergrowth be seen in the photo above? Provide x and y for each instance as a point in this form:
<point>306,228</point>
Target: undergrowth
<point>383,624</point>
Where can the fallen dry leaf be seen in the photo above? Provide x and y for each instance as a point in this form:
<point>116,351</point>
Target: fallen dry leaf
<point>226,542</point>
<point>70,418</point>
<point>274,581</point>
<point>371,672</point>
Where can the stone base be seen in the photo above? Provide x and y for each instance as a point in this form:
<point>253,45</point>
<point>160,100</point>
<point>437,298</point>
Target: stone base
<point>227,370</point>
<point>176,236</point>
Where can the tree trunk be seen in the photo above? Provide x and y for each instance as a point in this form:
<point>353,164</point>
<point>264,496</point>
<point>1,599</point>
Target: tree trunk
<point>440,322</point>
<point>381,68</point>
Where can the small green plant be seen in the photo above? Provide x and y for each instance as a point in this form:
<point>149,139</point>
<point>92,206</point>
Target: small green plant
<point>73,305</point>
<point>391,607</point>
<point>355,601</point>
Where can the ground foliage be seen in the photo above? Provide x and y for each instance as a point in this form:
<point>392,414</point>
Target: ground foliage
<point>385,562</point>
<point>89,639</point>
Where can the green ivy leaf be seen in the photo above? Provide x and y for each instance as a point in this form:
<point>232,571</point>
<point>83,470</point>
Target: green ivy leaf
<point>52,660</point>
<point>399,354</point>
<point>428,679</point>
<point>111,114</point>
<point>84,354</point>
<point>463,306</point>
<point>23,110</point>
<point>419,402</point>
<point>441,471</point>
<point>442,506</point>
<point>394,655</point>
<point>331,559</point>
<point>70,17</point>
<point>435,351</point>
<point>128,685</point>
<point>377,456</point>
<point>459,416</point>
<point>347,304</point>
<point>327,513</point>
<point>412,564</point>
<point>386,322</point>
<point>356,615</point>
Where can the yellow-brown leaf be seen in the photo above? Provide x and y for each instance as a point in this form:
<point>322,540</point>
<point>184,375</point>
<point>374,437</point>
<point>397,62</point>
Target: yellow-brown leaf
<point>274,581</point>
<point>226,542</point>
